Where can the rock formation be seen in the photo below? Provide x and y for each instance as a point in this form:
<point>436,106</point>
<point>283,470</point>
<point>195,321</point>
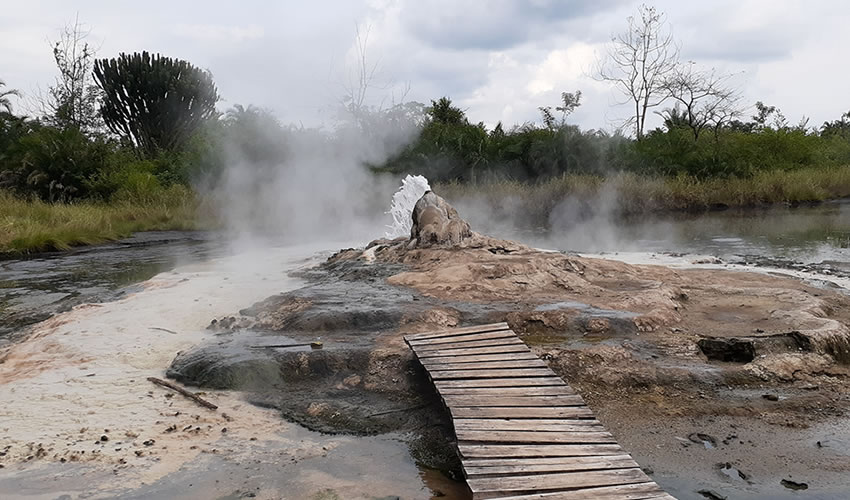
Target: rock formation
<point>436,223</point>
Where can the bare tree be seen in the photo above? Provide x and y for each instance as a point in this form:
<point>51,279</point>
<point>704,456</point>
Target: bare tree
<point>639,60</point>
<point>706,97</point>
<point>73,99</point>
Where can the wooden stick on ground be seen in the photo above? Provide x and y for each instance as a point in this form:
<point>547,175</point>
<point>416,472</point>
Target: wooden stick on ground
<point>184,392</point>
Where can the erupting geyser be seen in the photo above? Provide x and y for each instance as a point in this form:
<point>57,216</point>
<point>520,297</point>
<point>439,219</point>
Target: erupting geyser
<point>401,208</point>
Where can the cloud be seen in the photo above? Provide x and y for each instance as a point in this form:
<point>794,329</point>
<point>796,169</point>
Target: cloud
<point>219,33</point>
<point>491,25</point>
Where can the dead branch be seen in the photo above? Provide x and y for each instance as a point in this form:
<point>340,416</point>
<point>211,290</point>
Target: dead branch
<point>184,392</point>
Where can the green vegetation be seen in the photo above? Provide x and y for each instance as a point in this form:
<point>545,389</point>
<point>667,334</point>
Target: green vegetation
<point>637,193</point>
<point>32,225</point>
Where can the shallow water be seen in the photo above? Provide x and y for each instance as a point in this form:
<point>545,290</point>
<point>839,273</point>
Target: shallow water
<point>800,236</point>
<point>33,289</point>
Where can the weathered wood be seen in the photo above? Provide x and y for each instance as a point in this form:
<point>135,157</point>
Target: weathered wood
<point>500,462</point>
<point>194,397</point>
<point>538,482</point>
<point>477,450</point>
<point>527,424</point>
<point>508,372</point>
<point>476,350</point>
<point>501,334</point>
<point>496,400</point>
<point>554,390</point>
<point>458,331</point>
<point>638,491</point>
<point>505,356</point>
<point>521,412</point>
<point>501,382</point>
<point>522,432</point>
<point>468,345</point>
<point>561,464</point>
<point>488,365</point>
<point>543,437</point>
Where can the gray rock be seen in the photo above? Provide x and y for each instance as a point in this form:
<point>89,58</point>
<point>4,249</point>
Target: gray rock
<point>436,223</point>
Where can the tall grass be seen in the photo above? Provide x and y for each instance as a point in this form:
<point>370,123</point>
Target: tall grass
<point>28,226</point>
<point>633,193</point>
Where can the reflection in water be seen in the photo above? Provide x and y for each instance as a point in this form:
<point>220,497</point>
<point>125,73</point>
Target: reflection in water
<point>33,289</point>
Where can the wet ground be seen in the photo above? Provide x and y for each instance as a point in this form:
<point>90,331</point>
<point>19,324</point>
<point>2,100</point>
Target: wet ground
<point>35,288</point>
<point>778,460</point>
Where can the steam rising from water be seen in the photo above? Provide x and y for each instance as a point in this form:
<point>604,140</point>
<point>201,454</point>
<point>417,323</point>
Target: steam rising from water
<point>401,208</point>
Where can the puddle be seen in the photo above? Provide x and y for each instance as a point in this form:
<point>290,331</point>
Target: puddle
<point>794,485</point>
<point>587,310</point>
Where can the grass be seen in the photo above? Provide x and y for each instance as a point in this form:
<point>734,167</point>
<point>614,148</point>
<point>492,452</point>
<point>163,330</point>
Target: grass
<point>632,193</point>
<point>29,226</point>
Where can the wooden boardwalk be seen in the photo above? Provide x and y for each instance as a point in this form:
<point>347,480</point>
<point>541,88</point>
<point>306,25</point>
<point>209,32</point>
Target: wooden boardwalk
<point>523,433</point>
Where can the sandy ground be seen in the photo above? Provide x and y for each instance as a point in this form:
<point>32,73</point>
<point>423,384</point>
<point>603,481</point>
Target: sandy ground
<point>77,406</point>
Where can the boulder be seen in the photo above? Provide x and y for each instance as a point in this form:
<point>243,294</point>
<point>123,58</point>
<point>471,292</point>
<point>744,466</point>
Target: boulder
<point>436,223</point>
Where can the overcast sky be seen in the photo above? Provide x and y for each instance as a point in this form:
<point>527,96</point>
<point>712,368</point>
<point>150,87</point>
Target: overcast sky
<point>498,59</point>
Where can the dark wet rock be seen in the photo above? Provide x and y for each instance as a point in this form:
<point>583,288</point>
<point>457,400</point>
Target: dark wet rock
<point>711,495</point>
<point>733,350</point>
<point>436,223</point>
<point>794,485</point>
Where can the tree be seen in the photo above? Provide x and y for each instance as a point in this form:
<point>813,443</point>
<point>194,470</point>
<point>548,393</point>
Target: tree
<point>5,103</point>
<point>155,102</point>
<point>443,111</point>
<point>639,60</point>
<point>839,127</point>
<point>705,98</point>
<point>570,102</point>
<point>72,101</point>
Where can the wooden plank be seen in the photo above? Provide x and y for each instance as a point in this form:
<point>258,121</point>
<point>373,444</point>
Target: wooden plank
<point>501,382</point>
<point>501,334</point>
<point>538,482</point>
<point>508,372</point>
<point>467,345</point>
<point>521,412</point>
<point>457,331</point>
<point>554,390</point>
<point>522,432</point>
<point>477,350</point>
<point>489,365</point>
<point>562,464</point>
<point>505,356</point>
<point>542,437</point>
<point>475,450</point>
<point>501,462</point>
<point>527,424</point>
<point>495,400</point>
<point>637,491</point>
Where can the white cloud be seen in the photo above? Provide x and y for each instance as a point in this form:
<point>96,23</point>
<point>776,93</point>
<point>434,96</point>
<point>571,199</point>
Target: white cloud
<point>219,33</point>
<point>500,59</point>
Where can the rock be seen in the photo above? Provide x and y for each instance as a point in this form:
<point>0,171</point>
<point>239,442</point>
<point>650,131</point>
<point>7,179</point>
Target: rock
<point>436,223</point>
<point>732,349</point>
<point>711,495</point>
<point>794,485</point>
